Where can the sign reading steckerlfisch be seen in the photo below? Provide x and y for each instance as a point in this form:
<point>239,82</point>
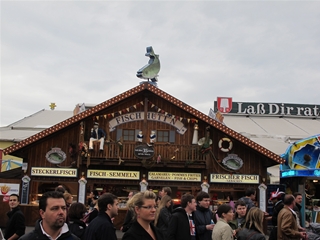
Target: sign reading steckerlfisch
<point>54,172</point>
<point>234,178</point>
<point>174,176</point>
<point>271,109</point>
<point>113,174</point>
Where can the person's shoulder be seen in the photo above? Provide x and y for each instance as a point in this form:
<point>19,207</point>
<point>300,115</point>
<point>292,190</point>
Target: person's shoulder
<point>129,235</point>
<point>134,232</point>
<point>29,236</point>
<point>74,237</point>
<point>233,224</point>
<point>158,232</point>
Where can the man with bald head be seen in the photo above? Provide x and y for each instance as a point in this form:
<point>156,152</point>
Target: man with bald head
<point>287,221</point>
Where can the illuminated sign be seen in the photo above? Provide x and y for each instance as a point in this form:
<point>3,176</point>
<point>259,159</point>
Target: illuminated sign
<point>234,178</point>
<point>54,172</point>
<point>300,173</point>
<point>174,176</point>
<point>113,174</point>
<point>271,109</point>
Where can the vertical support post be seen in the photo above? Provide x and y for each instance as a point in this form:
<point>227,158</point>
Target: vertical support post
<point>82,189</point>
<point>301,189</point>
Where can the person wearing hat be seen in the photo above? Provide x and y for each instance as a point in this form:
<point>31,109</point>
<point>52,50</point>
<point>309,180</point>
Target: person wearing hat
<point>276,199</point>
<point>97,134</point>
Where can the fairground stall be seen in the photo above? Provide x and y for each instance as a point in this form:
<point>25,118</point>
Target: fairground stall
<point>301,173</point>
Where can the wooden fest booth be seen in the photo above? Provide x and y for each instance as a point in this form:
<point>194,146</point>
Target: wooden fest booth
<point>149,135</point>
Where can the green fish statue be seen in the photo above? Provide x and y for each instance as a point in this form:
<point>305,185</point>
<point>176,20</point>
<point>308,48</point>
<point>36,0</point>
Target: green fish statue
<point>151,70</point>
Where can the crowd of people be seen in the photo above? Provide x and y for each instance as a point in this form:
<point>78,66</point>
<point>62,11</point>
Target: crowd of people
<point>153,217</point>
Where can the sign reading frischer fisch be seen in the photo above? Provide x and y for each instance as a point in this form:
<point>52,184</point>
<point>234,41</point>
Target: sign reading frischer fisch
<point>269,109</point>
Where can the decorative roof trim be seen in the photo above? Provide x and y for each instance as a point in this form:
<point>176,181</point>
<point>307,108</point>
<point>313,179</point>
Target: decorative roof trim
<point>160,93</point>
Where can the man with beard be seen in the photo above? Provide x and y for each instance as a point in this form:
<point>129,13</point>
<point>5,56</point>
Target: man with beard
<point>203,217</point>
<point>102,227</point>
<point>52,224</point>
<point>16,222</point>
<point>297,207</point>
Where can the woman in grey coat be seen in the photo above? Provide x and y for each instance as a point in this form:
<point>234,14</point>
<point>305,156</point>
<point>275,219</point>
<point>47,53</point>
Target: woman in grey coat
<point>222,230</point>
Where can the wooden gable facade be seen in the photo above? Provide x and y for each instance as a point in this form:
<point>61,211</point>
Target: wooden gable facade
<point>148,109</point>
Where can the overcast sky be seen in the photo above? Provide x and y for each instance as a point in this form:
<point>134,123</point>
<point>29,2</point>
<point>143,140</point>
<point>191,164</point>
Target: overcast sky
<point>70,52</point>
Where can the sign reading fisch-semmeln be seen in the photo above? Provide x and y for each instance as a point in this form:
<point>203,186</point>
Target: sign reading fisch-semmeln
<point>113,174</point>
<point>54,172</point>
<point>234,178</point>
<point>271,109</point>
<point>174,176</point>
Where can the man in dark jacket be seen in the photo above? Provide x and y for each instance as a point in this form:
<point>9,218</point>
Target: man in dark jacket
<point>102,227</point>
<point>16,223</point>
<point>203,217</point>
<point>297,207</point>
<point>181,225</point>
<point>52,224</point>
<point>249,197</point>
<point>276,198</point>
<point>97,134</point>
<point>240,217</point>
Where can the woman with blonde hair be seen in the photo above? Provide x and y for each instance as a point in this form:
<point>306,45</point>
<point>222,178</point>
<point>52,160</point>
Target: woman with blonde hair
<point>163,214</point>
<point>144,207</point>
<point>253,229</point>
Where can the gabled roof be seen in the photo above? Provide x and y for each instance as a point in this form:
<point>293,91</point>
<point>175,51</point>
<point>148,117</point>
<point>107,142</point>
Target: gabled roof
<point>145,86</point>
<point>32,124</point>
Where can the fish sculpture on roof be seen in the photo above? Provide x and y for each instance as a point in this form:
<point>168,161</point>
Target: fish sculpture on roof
<point>151,70</point>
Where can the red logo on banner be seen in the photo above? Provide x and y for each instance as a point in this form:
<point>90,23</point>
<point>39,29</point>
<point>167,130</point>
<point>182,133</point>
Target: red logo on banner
<point>224,104</point>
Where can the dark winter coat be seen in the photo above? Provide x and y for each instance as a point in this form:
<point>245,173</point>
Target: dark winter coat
<point>15,223</point>
<point>276,209</point>
<point>127,220</point>
<point>37,234</point>
<point>237,225</point>
<point>92,215</point>
<point>202,217</point>
<point>179,228</point>
<point>163,220</point>
<point>101,228</point>
<point>250,234</point>
<point>77,227</point>
<point>101,134</point>
<point>297,209</point>
<point>137,232</point>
